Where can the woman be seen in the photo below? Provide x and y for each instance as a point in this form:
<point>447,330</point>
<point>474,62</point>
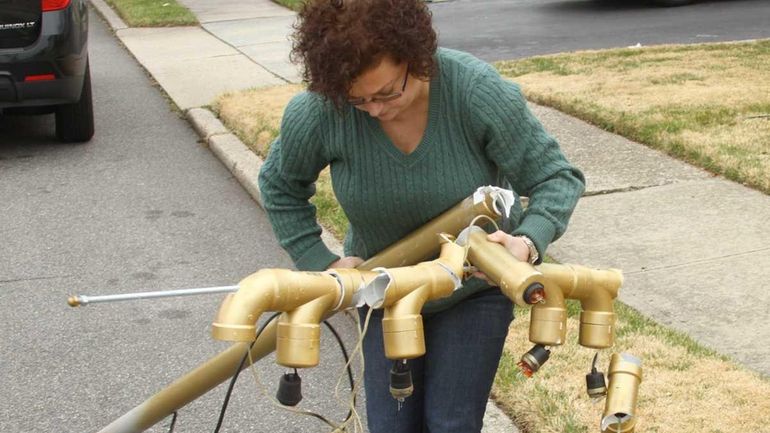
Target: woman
<point>409,130</point>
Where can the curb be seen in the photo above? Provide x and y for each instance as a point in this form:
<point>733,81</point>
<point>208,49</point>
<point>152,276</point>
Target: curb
<point>239,159</point>
<point>109,15</point>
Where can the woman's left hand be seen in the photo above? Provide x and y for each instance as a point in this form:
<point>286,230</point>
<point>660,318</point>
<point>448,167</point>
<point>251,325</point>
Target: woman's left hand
<point>515,245</point>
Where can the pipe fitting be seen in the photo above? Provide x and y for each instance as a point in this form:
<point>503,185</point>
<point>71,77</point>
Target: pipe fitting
<point>402,292</point>
<point>548,320</point>
<point>272,290</point>
<point>596,289</point>
<point>298,341</point>
<point>625,376</point>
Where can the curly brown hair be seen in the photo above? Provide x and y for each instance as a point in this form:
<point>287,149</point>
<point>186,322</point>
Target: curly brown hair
<point>338,40</point>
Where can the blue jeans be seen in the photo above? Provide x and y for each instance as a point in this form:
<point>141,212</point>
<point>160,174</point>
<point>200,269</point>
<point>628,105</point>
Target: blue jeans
<point>452,380</point>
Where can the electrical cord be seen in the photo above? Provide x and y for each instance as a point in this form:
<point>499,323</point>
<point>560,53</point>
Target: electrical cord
<point>275,403</point>
<point>350,371</point>
<point>351,380</point>
<point>306,412</point>
<point>358,349</point>
<point>235,376</point>
<point>470,269</point>
<point>173,422</point>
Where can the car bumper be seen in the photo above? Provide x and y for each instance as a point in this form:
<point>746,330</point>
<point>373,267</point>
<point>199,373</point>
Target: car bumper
<point>61,51</point>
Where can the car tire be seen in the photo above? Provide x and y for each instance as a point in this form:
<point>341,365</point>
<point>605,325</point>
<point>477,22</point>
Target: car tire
<point>75,122</point>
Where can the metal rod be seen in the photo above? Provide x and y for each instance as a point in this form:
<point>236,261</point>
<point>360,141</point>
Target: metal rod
<point>78,300</point>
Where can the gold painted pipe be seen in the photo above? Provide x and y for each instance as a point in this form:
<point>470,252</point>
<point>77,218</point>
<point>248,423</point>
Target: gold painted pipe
<point>192,385</point>
<point>271,290</point>
<point>513,276</point>
<point>548,319</point>
<point>421,244</point>
<point>403,292</point>
<point>596,289</point>
<point>625,376</point>
<point>522,283</point>
<point>299,330</point>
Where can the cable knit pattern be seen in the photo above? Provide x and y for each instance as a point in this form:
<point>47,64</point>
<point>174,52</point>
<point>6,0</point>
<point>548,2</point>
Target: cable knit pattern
<point>479,132</point>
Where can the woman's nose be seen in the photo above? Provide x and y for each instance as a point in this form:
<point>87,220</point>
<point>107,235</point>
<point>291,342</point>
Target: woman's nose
<point>374,108</point>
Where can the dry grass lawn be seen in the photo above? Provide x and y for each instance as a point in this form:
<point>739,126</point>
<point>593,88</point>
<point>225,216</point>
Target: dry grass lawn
<point>255,116</point>
<point>685,388</point>
<point>707,104</point>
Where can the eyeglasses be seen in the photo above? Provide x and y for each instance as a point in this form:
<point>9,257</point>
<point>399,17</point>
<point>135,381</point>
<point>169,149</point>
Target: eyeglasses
<point>384,98</point>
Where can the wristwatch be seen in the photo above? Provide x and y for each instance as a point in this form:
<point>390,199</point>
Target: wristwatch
<point>533,254</point>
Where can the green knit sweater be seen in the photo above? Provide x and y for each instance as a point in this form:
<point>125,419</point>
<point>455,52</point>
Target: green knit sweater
<point>480,132</point>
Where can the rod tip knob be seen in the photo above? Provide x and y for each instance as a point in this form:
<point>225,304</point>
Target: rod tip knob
<point>73,301</point>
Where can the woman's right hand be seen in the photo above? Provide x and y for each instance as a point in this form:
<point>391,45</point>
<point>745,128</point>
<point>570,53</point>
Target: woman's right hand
<point>347,262</point>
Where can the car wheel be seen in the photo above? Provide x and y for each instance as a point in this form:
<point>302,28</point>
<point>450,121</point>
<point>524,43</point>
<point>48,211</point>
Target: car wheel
<point>75,122</point>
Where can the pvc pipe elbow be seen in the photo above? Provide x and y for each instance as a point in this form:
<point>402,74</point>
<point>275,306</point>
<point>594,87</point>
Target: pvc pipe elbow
<point>596,289</point>
<point>548,320</point>
<point>268,290</point>
<point>298,338</point>
<point>402,327</point>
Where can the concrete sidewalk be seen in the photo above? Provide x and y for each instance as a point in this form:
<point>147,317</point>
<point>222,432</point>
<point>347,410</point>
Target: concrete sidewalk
<point>693,247</point>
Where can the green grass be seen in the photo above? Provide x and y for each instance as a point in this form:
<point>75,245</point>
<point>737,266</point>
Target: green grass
<point>294,5</point>
<point>153,13</point>
<point>330,213</point>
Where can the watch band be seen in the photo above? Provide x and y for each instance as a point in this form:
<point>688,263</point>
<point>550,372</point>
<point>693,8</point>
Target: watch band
<point>534,255</point>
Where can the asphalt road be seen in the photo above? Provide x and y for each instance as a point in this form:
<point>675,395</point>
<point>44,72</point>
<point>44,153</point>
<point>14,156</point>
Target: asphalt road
<point>509,29</point>
<point>143,206</point>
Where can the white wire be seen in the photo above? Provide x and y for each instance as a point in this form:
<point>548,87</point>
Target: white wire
<point>356,419</point>
<point>468,243</point>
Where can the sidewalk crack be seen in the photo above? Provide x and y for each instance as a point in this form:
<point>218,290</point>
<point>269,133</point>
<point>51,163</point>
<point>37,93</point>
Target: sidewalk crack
<point>624,189</point>
<point>239,52</point>
<point>706,260</point>
<point>203,24</point>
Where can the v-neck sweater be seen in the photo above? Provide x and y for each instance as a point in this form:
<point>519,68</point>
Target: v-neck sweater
<point>479,132</point>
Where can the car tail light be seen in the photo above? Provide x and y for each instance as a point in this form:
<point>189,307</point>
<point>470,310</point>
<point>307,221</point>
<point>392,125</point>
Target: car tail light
<point>41,77</point>
<point>55,5</point>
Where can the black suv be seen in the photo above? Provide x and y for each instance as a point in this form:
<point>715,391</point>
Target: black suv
<point>44,63</point>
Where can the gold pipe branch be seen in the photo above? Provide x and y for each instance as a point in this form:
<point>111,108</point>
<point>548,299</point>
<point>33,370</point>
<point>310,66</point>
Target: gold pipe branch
<point>402,292</point>
<point>596,289</point>
<point>546,287</point>
<point>625,375</point>
<point>299,330</point>
<point>272,290</point>
<point>513,276</point>
<point>306,297</point>
<point>236,321</point>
